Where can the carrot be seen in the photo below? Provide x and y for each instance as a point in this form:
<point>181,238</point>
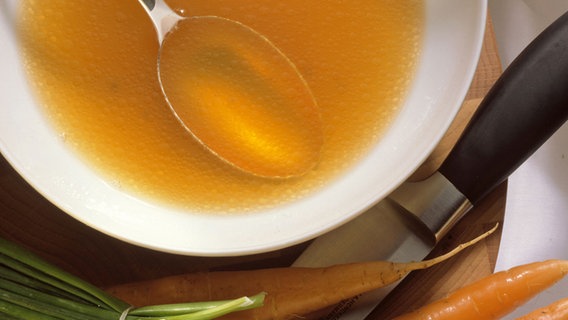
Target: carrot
<point>496,295</point>
<point>557,310</point>
<point>291,291</point>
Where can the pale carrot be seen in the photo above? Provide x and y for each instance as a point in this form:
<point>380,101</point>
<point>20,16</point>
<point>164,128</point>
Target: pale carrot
<point>290,291</point>
<point>496,295</point>
<point>557,310</point>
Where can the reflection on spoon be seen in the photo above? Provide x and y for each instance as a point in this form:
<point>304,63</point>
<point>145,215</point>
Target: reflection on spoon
<point>237,94</point>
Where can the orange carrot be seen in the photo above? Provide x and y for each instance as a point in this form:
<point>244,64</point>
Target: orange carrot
<point>557,310</point>
<point>496,295</point>
<point>291,291</point>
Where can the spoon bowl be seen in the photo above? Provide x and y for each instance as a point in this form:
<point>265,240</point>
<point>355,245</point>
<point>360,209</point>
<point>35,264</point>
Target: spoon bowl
<point>237,93</point>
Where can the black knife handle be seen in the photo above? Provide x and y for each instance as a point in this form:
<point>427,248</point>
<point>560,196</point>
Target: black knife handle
<point>527,104</point>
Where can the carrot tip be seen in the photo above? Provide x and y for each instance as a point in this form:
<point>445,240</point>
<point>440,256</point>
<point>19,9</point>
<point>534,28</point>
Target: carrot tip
<point>428,263</point>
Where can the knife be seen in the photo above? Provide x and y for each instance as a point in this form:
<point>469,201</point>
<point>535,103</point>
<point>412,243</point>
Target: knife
<point>527,104</point>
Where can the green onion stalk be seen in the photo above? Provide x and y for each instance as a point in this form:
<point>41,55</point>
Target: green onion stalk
<point>31,288</point>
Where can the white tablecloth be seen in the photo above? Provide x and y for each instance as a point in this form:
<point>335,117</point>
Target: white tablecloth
<point>536,215</point>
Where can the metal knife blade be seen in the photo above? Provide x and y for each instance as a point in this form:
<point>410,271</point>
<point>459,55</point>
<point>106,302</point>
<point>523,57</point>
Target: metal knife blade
<point>524,108</point>
<point>388,231</point>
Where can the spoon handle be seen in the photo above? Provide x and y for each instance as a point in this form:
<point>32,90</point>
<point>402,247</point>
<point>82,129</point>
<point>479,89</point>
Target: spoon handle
<point>163,17</point>
<point>149,4</point>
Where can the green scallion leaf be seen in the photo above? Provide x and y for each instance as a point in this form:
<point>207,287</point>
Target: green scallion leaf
<point>32,289</point>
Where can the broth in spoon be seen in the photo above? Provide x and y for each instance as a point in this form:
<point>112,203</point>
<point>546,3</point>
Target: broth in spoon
<point>237,93</point>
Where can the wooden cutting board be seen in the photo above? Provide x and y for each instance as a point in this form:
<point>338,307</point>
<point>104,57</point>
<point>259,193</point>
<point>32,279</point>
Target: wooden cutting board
<point>425,286</point>
<point>29,219</point>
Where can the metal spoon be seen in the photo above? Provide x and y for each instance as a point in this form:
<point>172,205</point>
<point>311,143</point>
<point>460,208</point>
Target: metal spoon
<point>237,93</point>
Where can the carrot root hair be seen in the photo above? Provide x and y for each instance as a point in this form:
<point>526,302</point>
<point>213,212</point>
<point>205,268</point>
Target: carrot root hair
<point>412,266</point>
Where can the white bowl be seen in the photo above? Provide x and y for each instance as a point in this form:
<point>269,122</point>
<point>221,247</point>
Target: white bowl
<point>451,48</point>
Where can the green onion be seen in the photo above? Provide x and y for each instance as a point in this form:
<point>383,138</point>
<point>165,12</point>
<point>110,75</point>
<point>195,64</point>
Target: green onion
<point>31,288</point>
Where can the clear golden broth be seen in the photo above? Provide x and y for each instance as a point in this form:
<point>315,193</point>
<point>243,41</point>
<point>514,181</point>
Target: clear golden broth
<point>241,97</point>
<point>93,67</point>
